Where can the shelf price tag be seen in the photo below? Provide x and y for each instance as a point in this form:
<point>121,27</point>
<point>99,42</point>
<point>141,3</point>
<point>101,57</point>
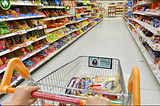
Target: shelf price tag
<point>53,18</point>
<point>45,26</point>
<point>39,27</point>
<point>155,72</point>
<point>22,32</point>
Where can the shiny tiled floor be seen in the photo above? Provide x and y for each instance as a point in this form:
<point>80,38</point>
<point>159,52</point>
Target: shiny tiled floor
<point>110,38</point>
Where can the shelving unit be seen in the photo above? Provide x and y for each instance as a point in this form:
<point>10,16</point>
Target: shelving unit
<point>136,27</point>
<point>111,10</point>
<point>92,21</point>
<point>148,58</point>
<point>53,54</point>
<point>119,9</point>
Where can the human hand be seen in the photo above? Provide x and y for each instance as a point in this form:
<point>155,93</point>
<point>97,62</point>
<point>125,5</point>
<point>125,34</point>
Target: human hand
<point>22,95</point>
<point>96,100</point>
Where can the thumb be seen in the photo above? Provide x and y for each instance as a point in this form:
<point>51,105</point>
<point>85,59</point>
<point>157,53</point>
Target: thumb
<point>34,88</point>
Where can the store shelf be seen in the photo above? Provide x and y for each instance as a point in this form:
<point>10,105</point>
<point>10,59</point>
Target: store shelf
<point>31,54</point>
<point>58,7</point>
<point>80,7</point>
<point>25,4</point>
<point>78,21</point>
<point>142,4</point>
<point>148,58</point>
<point>82,13</point>
<point>28,55</point>
<point>146,13</point>
<point>69,33</point>
<point>88,10</point>
<point>149,27</point>
<point>53,29</point>
<point>55,18</point>
<point>20,18</point>
<point>60,37</point>
<point>155,47</point>
<point>23,31</point>
<point>21,45</point>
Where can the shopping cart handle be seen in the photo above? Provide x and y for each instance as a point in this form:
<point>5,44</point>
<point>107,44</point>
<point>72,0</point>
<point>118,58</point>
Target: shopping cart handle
<point>58,98</point>
<point>134,85</point>
<point>17,64</point>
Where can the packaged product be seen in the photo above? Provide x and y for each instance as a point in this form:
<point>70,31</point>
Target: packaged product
<point>109,82</point>
<point>4,59</point>
<point>3,45</point>
<point>17,39</point>
<point>24,38</point>
<point>1,62</point>
<point>9,41</point>
<point>84,83</point>
<point>72,84</point>
<point>22,50</point>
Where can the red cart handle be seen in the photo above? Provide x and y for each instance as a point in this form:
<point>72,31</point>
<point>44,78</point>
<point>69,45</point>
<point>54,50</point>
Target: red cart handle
<point>57,98</point>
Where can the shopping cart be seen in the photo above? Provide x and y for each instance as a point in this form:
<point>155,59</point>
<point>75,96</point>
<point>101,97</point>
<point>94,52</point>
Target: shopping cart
<point>53,86</point>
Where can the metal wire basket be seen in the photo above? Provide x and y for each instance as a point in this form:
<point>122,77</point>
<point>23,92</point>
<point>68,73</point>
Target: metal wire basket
<point>56,82</point>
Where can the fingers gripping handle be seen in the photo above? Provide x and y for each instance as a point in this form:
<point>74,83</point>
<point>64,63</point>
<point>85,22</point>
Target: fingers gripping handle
<point>17,64</point>
<point>134,85</point>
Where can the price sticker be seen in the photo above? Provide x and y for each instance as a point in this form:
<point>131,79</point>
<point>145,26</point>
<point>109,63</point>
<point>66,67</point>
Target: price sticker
<point>155,72</point>
<point>158,77</point>
<point>53,18</point>
<point>37,27</point>
<point>40,27</point>
<point>45,26</point>
<point>22,32</point>
<point>34,40</point>
<point>19,32</point>
<point>24,44</point>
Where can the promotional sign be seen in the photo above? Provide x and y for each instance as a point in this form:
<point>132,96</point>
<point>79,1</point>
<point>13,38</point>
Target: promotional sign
<point>100,62</point>
<point>68,7</point>
<point>5,4</point>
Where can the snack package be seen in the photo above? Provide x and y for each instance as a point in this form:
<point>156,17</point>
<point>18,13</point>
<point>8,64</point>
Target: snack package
<point>73,84</point>
<point>56,34</point>
<point>101,89</point>
<point>28,63</point>
<point>24,38</point>
<point>9,41</point>
<point>3,45</point>
<point>1,62</point>
<point>84,83</point>
<point>61,32</point>
<point>22,50</point>
<point>37,33</point>
<point>100,79</point>
<point>17,39</point>
<point>4,59</point>
<point>42,33</point>
<point>109,82</point>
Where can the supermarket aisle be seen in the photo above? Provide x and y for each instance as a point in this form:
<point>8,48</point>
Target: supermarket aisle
<point>110,38</point>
